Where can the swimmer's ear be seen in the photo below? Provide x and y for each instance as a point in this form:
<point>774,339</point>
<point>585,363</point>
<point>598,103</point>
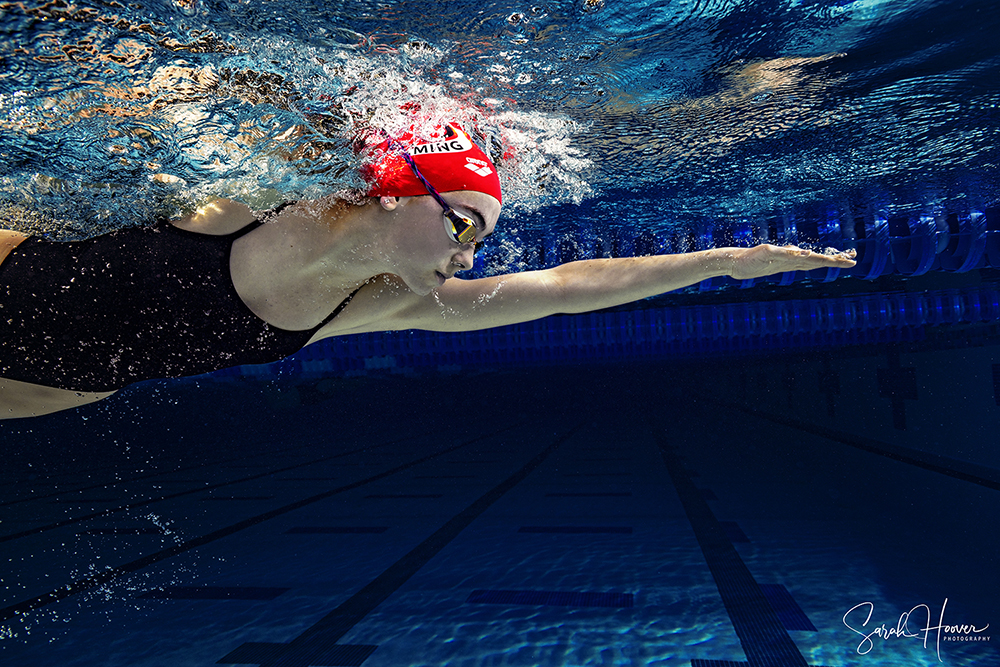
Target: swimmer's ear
<point>389,203</point>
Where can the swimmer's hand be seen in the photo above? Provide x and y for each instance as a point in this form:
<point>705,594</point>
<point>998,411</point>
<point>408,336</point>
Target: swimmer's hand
<point>766,260</point>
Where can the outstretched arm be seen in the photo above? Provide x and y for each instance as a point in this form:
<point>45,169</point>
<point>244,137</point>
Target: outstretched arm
<point>576,287</point>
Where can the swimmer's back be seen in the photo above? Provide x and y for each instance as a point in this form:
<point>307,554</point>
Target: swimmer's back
<point>26,399</point>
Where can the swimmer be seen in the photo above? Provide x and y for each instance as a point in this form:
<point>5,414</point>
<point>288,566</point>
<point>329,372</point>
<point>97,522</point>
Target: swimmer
<point>224,286</point>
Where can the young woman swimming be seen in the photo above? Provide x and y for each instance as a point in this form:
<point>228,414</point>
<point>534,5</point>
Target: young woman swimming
<point>223,287</point>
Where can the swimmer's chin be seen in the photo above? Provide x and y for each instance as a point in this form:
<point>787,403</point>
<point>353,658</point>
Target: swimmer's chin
<point>427,288</point>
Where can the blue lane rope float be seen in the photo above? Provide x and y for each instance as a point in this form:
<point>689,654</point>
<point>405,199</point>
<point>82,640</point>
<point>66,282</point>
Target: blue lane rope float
<point>886,244</point>
<point>967,243</point>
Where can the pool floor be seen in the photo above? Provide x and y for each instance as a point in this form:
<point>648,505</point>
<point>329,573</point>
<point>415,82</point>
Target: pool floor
<point>548,517</point>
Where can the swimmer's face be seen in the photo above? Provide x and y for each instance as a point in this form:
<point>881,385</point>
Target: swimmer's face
<point>425,255</point>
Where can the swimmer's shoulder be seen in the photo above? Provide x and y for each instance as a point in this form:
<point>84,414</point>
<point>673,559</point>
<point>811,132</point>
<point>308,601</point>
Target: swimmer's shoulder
<point>217,218</point>
<point>9,240</point>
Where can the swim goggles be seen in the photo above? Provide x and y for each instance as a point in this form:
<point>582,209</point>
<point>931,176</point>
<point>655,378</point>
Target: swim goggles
<point>460,228</point>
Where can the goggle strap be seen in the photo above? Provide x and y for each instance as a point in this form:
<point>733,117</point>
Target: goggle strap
<point>416,172</point>
<point>468,234</point>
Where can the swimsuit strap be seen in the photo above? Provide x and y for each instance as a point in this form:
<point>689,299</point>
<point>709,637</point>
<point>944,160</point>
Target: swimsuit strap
<point>266,216</point>
<point>340,307</point>
<point>249,227</point>
<point>260,219</point>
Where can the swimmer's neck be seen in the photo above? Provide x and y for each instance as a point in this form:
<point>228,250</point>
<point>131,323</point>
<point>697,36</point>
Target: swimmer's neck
<point>321,240</point>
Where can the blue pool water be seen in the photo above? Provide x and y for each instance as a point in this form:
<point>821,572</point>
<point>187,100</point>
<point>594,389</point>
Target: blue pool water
<point>732,475</point>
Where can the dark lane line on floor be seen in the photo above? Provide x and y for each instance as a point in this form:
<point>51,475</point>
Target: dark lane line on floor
<point>117,482</point>
<point>577,530</point>
<point>336,530</point>
<point>764,639</point>
<point>553,598</point>
<point>256,593</point>
<point>105,576</point>
<point>170,496</point>
<point>318,645</point>
<point>963,470</point>
<point>594,494</point>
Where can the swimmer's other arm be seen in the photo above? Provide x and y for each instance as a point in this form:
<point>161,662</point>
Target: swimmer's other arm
<point>577,287</point>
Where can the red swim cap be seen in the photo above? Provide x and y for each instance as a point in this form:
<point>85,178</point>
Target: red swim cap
<point>447,158</point>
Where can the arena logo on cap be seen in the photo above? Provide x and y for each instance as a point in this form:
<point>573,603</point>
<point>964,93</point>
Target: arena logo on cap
<point>454,142</point>
<point>480,167</point>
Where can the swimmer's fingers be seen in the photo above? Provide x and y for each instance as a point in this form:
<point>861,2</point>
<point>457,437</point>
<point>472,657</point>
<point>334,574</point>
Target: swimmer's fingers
<point>766,260</point>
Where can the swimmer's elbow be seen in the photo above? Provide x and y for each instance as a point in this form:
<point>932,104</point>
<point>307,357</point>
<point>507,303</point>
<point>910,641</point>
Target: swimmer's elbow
<point>569,288</point>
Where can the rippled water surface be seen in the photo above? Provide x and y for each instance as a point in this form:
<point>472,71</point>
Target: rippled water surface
<point>112,113</point>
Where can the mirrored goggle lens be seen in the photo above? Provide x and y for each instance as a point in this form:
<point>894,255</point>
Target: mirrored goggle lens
<point>460,228</point>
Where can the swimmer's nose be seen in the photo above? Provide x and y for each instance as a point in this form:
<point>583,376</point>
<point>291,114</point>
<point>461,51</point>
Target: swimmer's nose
<point>464,258</point>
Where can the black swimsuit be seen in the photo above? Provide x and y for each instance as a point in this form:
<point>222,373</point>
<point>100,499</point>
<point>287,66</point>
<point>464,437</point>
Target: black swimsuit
<point>139,303</point>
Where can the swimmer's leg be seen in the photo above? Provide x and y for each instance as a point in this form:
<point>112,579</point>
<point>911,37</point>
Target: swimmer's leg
<point>23,399</point>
